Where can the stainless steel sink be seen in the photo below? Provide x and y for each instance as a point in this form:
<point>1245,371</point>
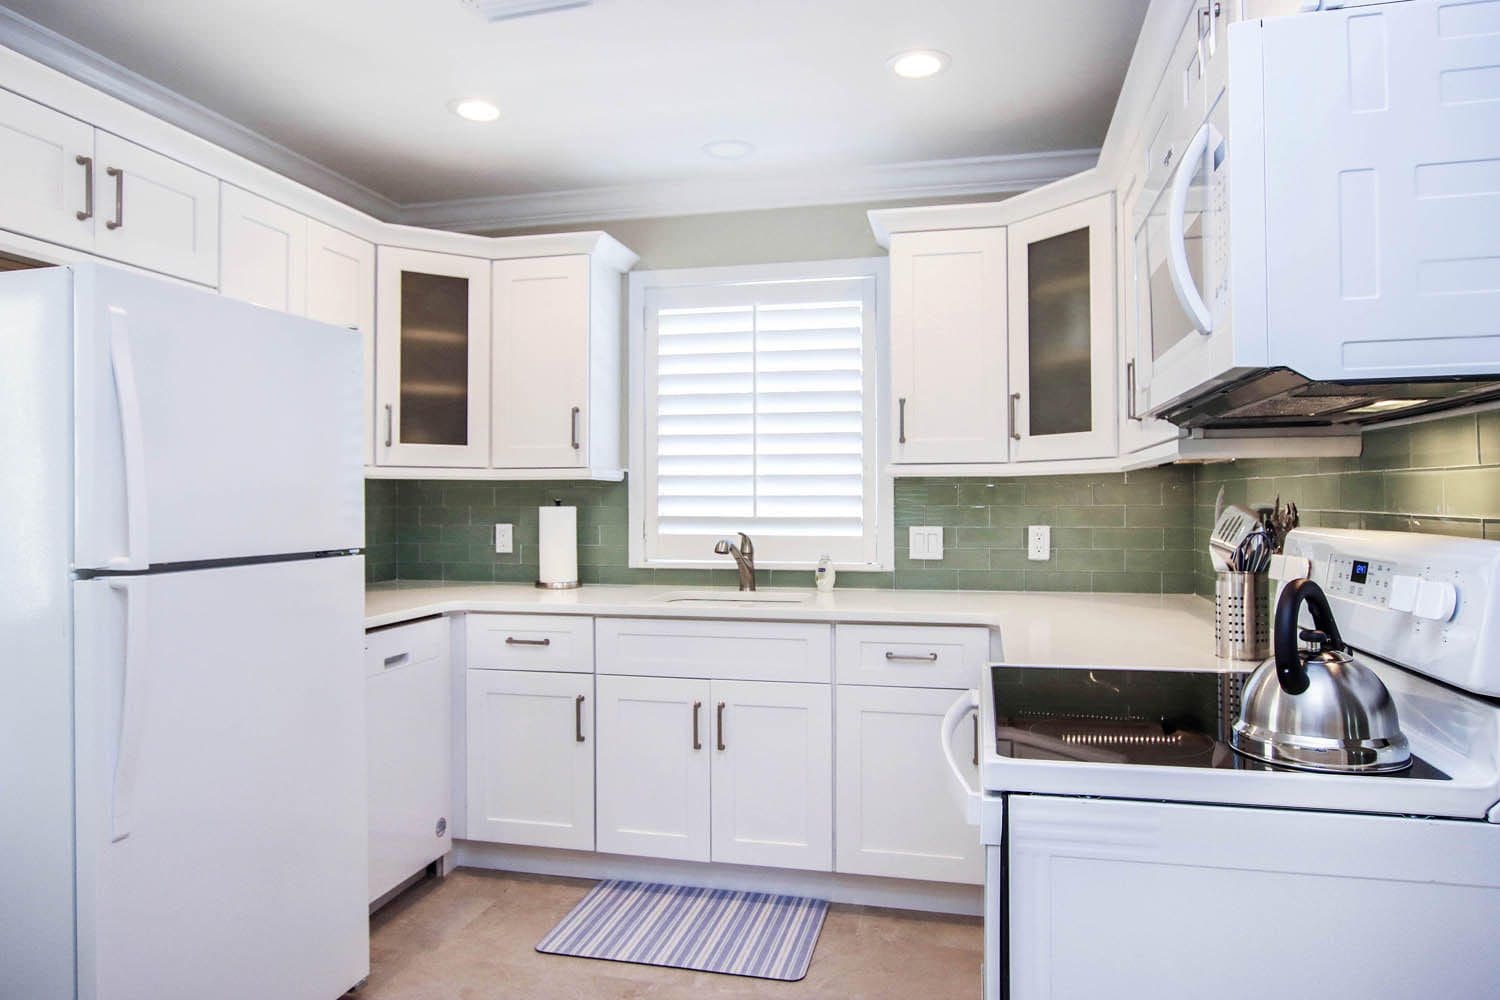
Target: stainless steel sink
<point>733,599</point>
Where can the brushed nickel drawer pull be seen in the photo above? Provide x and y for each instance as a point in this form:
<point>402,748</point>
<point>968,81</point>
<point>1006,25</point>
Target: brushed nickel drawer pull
<point>1015,398</point>
<point>87,163</point>
<point>1130,390</point>
<point>573,427</point>
<point>578,719</point>
<point>119,220</point>
<point>697,708</point>
<point>976,739</point>
<point>901,432</point>
<point>914,657</point>
<point>721,726</point>
<point>511,640</point>
<point>390,424</point>
<point>396,659</point>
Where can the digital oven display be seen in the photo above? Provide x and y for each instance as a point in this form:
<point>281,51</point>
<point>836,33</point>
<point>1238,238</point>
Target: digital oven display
<point>1360,571</point>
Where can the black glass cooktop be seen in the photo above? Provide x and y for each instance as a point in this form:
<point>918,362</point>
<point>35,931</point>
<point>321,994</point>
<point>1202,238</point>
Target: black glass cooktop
<point>1171,718</point>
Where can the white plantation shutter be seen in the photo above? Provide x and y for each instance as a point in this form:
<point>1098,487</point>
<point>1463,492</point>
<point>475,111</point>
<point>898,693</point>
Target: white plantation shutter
<point>760,419</point>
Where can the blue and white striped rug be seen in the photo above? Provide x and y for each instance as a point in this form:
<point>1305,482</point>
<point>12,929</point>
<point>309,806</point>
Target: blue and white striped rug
<point>707,930</point>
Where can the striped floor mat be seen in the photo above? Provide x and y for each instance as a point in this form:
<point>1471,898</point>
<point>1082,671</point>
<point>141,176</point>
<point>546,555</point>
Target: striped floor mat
<point>707,930</point>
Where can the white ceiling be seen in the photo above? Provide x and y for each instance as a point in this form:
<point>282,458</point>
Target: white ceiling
<point>625,92</point>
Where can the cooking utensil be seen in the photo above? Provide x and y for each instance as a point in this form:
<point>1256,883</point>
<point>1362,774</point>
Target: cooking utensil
<point>1233,525</point>
<point>1282,521</point>
<point>1317,708</point>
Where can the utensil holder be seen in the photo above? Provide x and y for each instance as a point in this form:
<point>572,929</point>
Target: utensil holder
<point>1242,627</point>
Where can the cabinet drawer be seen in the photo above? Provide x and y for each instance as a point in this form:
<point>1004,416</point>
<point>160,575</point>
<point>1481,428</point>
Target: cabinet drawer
<point>753,651</point>
<point>938,656</point>
<point>530,642</point>
<point>405,646</point>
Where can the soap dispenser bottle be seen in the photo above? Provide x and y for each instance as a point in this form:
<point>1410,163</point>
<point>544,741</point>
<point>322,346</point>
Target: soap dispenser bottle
<point>824,575</point>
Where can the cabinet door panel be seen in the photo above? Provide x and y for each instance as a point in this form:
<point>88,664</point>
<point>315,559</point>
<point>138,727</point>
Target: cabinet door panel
<point>895,816</point>
<point>530,776</point>
<point>1062,333</point>
<point>264,252</point>
<point>773,775</point>
<point>432,359</point>
<point>341,291</point>
<point>948,359</point>
<point>45,186</point>
<point>539,357</point>
<point>653,774</point>
<point>167,213</point>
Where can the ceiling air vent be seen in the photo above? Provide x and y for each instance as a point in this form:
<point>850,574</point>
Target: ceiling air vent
<point>504,10</point>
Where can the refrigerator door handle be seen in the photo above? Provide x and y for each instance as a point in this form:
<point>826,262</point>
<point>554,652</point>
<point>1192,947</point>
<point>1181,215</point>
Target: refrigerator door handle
<point>134,678</point>
<point>132,443</point>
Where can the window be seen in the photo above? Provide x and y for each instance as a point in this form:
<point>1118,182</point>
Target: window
<point>754,409</point>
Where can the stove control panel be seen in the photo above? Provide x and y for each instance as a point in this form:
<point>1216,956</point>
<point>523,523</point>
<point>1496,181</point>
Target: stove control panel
<point>1428,602</point>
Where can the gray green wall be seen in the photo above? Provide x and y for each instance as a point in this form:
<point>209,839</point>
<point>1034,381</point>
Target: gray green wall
<point>1139,532</point>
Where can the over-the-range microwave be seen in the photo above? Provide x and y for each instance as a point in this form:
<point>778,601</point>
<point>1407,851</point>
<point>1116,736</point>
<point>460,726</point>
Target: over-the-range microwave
<point>1317,240</point>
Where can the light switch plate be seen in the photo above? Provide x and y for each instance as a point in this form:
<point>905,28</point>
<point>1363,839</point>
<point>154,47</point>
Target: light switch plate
<point>1039,542</point>
<point>925,542</point>
<point>505,542</point>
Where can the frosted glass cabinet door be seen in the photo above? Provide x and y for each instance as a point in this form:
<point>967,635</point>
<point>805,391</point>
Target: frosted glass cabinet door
<point>433,354</point>
<point>1062,333</point>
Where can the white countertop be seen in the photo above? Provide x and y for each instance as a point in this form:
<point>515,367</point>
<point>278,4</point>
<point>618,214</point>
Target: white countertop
<point>1171,631</point>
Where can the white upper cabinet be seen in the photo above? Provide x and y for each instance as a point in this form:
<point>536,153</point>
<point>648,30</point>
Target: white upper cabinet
<point>154,212</point>
<point>948,347</point>
<point>341,291</point>
<point>540,359</point>
<point>49,167</point>
<point>265,252</point>
<point>1062,333</point>
<point>432,380</point>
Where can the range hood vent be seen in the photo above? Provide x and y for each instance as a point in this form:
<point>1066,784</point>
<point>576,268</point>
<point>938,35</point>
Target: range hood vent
<point>1279,397</point>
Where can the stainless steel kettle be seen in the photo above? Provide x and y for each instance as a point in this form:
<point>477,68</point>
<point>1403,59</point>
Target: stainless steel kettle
<point>1317,708</point>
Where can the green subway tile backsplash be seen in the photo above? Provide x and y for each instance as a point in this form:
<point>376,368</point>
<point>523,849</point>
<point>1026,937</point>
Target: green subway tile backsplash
<point>1440,476</point>
<point>1137,532</point>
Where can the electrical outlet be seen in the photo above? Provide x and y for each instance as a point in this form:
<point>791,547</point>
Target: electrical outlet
<point>1039,542</point>
<point>925,542</point>
<point>505,541</point>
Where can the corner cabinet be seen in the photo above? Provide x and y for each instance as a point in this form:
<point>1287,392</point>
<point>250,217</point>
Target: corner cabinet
<point>1062,333</point>
<point>948,356</point>
<point>432,359</point>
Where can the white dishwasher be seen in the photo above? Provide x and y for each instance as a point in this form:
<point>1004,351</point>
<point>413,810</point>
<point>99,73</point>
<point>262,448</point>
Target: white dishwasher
<point>408,738</point>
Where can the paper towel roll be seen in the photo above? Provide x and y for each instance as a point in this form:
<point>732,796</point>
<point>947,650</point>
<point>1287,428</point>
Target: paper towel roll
<point>557,547</point>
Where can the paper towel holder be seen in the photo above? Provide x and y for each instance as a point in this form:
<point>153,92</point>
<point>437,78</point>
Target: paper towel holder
<point>572,584</point>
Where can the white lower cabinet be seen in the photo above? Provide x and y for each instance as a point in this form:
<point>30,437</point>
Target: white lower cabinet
<point>408,748</point>
<point>531,758</point>
<point>654,766</point>
<point>773,775</point>
<point>895,816</point>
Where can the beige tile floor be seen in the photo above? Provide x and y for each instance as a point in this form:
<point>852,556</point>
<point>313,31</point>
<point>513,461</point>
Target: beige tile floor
<point>472,936</point>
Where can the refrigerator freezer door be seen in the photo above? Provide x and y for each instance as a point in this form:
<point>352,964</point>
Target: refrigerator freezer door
<point>221,783</point>
<point>209,428</point>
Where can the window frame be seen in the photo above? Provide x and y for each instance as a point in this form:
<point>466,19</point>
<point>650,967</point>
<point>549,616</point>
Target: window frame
<point>878,536</point>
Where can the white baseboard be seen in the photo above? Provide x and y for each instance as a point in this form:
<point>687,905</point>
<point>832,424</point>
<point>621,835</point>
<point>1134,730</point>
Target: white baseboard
<point>862,890</point>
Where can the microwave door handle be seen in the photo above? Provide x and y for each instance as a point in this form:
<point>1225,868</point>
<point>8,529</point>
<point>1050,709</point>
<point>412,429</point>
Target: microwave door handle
<point>1177,262</point>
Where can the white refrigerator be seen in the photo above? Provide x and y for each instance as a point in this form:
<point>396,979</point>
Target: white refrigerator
<point>182,776</point>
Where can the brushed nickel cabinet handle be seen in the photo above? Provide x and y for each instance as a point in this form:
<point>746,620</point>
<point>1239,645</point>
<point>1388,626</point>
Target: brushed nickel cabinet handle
<point>976,739</point>
<point>901,423</point>
<point>578,720</point>
<point>1130,390</point>
<point>87,163</point>
<point>573,427</point>
<point>396,659</point>
<point>697,709</point>
<point>511,640</point>
<point>390,424</point>
<point>119,219</point>
<point>720,710</point>
<point>1015,398</point>
<point>918,657</point>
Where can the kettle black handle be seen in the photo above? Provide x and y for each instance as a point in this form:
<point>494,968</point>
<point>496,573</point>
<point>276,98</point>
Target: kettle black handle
<point>1291,672</point>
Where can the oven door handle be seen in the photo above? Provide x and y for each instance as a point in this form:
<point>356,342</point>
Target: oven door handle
<point>968,799</point>
<point>1177,261</point>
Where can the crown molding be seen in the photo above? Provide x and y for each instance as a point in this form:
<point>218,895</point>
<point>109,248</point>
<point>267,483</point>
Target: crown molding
<point>977,175</point>
<point>66,56</point>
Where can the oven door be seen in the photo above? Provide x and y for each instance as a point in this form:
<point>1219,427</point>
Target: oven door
<point>1182,273</point>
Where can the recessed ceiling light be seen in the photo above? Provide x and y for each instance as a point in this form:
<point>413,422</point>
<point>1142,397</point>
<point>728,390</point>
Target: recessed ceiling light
<point>919,63</point>
<point>474,109</point>
<point>729,149</point>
